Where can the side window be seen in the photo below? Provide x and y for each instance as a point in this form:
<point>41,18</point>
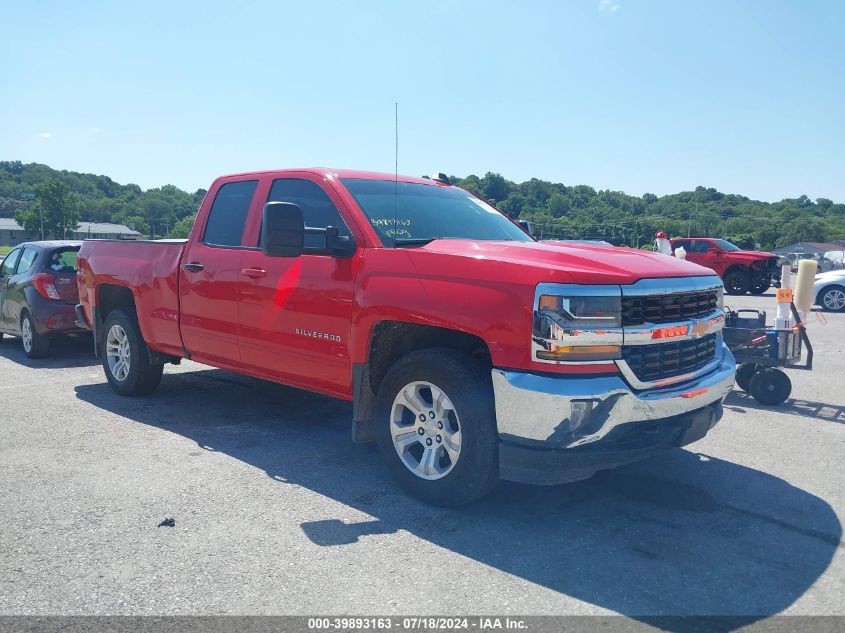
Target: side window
<point>8,267</point>
<point>27,260</point>
<point>318,211</point>
<point>227,217</point>
<point>679,243</point>
<point>698,246</point>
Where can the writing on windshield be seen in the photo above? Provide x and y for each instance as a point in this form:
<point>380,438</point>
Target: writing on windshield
<point>416,211</point>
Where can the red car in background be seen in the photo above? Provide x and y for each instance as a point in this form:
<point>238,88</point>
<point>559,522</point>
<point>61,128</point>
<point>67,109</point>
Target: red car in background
<point>741,271</point>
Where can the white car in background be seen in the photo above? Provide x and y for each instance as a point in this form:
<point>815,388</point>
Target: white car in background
<point>829,290</point>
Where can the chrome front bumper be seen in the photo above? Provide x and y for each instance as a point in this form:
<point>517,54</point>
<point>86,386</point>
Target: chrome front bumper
<point>537,410</point>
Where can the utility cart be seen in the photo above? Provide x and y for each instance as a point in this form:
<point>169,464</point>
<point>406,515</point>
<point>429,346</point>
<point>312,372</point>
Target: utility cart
<point>761,349</point>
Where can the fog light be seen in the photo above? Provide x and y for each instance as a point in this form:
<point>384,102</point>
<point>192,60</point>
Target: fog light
<point>579,412</point>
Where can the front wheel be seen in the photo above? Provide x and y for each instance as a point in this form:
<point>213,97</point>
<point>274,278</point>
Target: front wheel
<point>126,360</point>
<point>760,288</point>
<point>736,281</point>
<point>832,299</point>
<point>35,345</point>
<point>436,427</point>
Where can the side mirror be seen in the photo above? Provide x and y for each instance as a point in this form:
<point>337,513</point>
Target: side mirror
<point>284,230</point>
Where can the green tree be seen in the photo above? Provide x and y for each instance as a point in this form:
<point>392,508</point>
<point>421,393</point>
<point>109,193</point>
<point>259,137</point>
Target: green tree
<point>57,212</point>
<point>182,229</point>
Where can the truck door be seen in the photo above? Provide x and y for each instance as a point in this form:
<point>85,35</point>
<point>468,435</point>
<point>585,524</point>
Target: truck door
<point>210,274</point>
<point>296,313</point>
<point>697,252</point>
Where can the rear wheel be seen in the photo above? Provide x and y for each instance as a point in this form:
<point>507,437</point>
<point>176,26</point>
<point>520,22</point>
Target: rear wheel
<point>770,386</point>
<point>34,344</point>
<point>737,281</point>
<point>744,375</point>
<point>832,299</point>
<point>436,426</point>
<point>126,360</point>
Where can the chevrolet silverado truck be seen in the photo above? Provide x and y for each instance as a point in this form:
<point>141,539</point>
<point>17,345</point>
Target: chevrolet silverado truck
<point>470,351</point>
<point>741,271</point>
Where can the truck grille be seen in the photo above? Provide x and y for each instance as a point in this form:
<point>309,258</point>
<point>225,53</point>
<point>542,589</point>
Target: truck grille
<point>666,360</point>
<point>668,308</point>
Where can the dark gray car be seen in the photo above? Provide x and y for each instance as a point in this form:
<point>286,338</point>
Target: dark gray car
<point>38,293</point>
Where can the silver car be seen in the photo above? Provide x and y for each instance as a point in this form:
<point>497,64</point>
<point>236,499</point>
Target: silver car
<point>829,290</point>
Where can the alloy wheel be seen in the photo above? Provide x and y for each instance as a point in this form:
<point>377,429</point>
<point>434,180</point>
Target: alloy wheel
<point>834,299</point>
<point>26,334</point>
<point>425,430</point>
<point>118,353</point>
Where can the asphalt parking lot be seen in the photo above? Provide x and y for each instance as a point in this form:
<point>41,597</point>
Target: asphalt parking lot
<point>277,512</point>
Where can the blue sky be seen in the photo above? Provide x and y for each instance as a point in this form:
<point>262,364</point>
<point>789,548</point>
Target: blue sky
<point>632,95</point>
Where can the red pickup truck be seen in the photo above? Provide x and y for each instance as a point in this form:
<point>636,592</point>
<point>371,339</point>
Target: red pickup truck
<point>741,271</point>
<point>471,352</point>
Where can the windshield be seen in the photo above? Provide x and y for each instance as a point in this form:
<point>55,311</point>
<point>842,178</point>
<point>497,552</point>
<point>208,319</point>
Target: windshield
<point>725,245</point>
<point>426,212</point>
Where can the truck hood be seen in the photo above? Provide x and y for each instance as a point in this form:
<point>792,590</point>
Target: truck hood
<point>564,263</point>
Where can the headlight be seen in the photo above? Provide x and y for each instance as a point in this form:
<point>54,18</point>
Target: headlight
<point>574,328</point>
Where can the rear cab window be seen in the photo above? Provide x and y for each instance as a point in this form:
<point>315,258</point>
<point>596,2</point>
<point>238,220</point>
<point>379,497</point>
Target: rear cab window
<point>227,217</point>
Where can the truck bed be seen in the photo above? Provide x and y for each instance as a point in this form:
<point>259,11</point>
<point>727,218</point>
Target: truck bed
<point>149,270</point>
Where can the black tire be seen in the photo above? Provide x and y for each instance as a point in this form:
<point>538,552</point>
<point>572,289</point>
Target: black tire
<point>466,383</point>
<point>35,345</point>
<point>737,281</point>
<point>142,377</point>
<point>770,386</point>
<point>830,299</point>
<point>760,288</point>
<point>744,375</point>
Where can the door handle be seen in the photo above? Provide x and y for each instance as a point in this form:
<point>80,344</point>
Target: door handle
<point>193,267</point>
<point>255,273</point>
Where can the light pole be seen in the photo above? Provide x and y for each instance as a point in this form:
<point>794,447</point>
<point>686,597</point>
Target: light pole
<point>41,214</point>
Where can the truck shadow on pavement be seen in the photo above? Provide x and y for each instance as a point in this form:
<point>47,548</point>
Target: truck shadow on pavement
<point>681,534</point>
<point>65,352</point>
<point>738,402</point>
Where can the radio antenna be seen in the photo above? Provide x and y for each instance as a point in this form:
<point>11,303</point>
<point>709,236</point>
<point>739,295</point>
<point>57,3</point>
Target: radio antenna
<point>395,168</point>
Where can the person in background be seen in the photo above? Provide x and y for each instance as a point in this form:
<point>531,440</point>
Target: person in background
<point>55,262</point>
<point>661,243</point>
